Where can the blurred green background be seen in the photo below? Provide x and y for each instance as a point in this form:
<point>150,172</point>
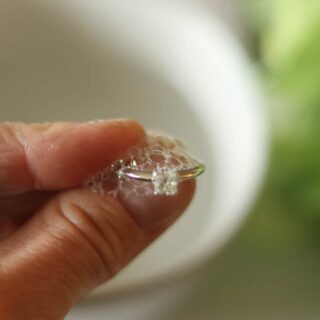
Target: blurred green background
<point>286,43</point>
<point>271,270</point>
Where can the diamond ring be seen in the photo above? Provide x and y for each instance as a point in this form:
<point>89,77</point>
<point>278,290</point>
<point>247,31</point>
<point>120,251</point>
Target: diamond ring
<point>164,181</point>
<point>156,166</point>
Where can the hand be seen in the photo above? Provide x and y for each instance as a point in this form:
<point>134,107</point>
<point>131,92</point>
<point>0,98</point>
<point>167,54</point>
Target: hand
<point>58,240</point>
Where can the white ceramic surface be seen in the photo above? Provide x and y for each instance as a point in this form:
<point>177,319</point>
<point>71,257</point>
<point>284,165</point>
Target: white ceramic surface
<point>169,65</point>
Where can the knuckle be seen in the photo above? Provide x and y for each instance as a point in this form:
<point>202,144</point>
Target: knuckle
<point>13,158</point>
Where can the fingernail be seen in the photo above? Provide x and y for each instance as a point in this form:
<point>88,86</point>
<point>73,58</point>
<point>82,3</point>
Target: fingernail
<point>98,121</point>
<point>94,121</point>
<point>154,212</point>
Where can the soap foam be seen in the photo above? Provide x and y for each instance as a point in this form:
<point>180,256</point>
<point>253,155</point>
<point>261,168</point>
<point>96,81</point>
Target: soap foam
<point>161,154</point>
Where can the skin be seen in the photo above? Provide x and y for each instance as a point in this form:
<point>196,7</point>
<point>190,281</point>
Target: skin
<point>59,240</point>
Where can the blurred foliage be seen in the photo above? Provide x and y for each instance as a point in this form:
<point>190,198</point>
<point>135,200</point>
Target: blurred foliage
<point>287,34</point>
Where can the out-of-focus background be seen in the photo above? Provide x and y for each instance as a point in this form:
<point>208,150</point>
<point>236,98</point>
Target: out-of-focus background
<point>271,270</point>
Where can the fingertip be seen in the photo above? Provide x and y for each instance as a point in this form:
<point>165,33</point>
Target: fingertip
<point>67,154</point>
<point>157,212</point>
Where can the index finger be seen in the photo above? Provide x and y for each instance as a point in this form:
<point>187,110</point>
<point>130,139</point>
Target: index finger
<point>60,155</point>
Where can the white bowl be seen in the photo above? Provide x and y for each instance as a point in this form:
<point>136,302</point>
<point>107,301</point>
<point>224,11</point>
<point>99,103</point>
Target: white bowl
<point>171,66</point>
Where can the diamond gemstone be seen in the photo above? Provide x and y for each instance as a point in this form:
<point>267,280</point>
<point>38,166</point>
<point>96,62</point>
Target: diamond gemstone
<point>165,182</point>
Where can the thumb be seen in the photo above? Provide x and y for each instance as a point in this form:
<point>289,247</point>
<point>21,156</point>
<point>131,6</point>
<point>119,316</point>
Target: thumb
<point>77,241</point>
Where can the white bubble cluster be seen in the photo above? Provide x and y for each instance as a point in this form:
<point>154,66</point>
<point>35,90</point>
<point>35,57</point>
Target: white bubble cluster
<point>162,155</point>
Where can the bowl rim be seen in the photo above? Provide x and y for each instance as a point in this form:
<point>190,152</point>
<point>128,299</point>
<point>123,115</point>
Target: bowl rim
<point>213,29</point>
